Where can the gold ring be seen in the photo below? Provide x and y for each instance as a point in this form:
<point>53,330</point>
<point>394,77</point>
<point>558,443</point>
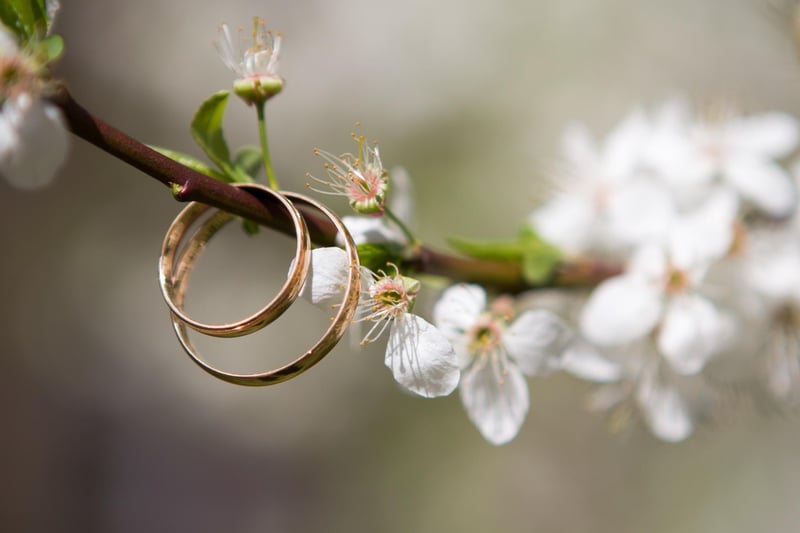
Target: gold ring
<point>175,237</point>
<point>341,321</point>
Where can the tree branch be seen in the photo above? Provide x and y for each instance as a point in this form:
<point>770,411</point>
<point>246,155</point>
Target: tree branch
<point>187,185</point>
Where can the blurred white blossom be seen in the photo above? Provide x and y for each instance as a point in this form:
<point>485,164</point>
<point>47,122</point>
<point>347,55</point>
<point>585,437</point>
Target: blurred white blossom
<point>33,139</point>
<point>641,385</point>
<point>660,291</point>
<point>601,190</point>
<point>740,151</point>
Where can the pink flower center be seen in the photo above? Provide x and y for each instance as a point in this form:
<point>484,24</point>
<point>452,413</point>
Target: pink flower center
<point>364,187</point>
<point>676,281</point>
<point>485,336</point>
<point>389,296</point>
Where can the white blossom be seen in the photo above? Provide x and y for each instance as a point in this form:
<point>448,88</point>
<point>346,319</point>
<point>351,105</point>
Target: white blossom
<point>253,60</point>
<point>741,151</point>
<point>495,354</point>
<point>660,292</point>
<point>358,177</point>
<point>378,229</point>
<point>770,267</point>
<point>255,57</point>
<point>642,385</point>
<point>602,189</point>
<point>420,357</point>
<point>33,140</point>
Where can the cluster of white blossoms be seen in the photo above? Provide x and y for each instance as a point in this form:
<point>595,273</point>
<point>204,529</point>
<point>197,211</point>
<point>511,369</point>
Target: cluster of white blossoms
<point>702,212</point>
<point>33,140</point>
<point>698,209</point>
<point>482,348</point>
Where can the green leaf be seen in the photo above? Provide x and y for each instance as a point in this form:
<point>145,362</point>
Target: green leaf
<point>537,257</point>
<point>540,258</point>
<point>375,256</point>
<point>249,160</point>
<point>191,162</point>
<point>52,47</point>
<point>26,18</point>
<point>207,132</point>
<point>498,251</point>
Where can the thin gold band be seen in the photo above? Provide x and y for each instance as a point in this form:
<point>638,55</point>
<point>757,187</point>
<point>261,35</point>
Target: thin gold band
<point>325,344</point>
<point>176,235</point>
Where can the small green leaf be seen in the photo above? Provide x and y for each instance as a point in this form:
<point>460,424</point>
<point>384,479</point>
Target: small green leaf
<point>207,132</point>
<point>250,227</point>
<point>52,47</point>
<point>537,257</point>
<point>27,18</point>
<point>375,256</point>
<point>540,258</point>
<point>498,251</point>
<point>249,159</point>
<point>191,162</point>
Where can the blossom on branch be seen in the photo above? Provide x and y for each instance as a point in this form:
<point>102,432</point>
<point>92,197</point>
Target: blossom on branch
<point>33,140</point>
<point>660,291</point>
<point>741,152</point>
<point>496,350</point>
<point>420,357</point>
<point>372,229</point>
<point>254,60</point>
<point>360,178</point>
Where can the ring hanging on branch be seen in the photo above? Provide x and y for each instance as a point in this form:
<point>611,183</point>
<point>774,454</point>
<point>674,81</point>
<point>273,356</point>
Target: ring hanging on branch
<point>176,233</point>
<point>174,282</point>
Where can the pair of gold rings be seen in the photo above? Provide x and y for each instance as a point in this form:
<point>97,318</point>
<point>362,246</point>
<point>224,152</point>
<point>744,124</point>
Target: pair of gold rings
<point>179,254</point>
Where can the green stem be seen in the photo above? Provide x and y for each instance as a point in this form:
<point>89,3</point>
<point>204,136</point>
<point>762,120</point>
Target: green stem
<point>262,133</point>
<point>415,243</point>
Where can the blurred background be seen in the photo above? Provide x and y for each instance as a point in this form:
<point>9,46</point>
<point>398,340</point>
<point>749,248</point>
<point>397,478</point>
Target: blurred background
<point>109,427</point>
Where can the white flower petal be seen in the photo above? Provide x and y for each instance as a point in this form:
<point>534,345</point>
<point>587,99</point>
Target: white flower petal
<point>624,146</point>
<point>764,183</point>
<point>371,229</point>
<point>567,221</point>
<point>496,407</point>
<point>665,412</point>
<point>401,199</point>
<point>458,309</point>
<point>671,152</point>
<point>421,358</point>
<point>649,263</point>
<point>29,125</point>
<point>690,333</point>
<point>620,310</point>
<point>586,362</point>
<point>705,234</point>
<point>772,135</point>
<point>773,267</point>
<point>327,275</point>
<point>639,212</point>
<point>535,341</point>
